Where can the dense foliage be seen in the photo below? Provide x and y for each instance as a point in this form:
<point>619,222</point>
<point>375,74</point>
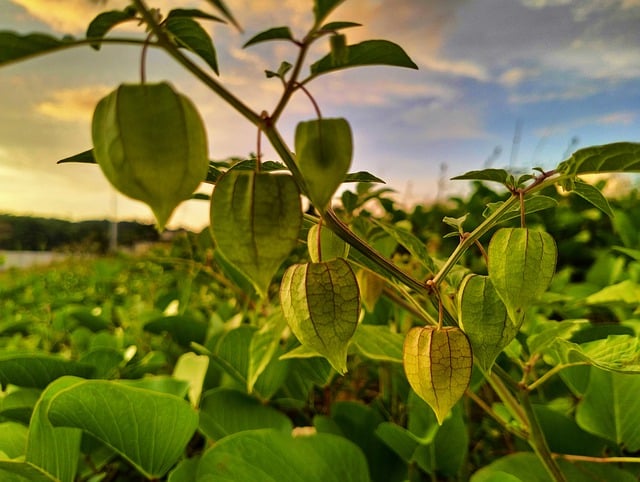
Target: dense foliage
<point>492,340</point>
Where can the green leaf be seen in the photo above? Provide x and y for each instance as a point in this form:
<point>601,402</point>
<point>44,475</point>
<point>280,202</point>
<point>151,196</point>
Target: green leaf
<point>484,319</point>
<point>263,347</point>
<point>15,47</point>
<point>226,13</point>
<point>14,439</point>
<point>53,449</point>
<point>148,428</point>
<point>335,26</point>
<point>265,224</point>
<point>339,51</point>
<point>193,13</point>
<point>322,8</point>
<point>398,439</point>
<point>192,369</point>
<point>16,471</point>
<point>322,306</point>
<point>189,34</point>
<point>226,411</point>
<point>106,21</point>
<point>324,149</point>
<point>276,33</point>
<point>438,365</point>
<point>362,176</point>
<point>323,244</point>
<point>627,292</point>
<point>610,408</point>
<point>379,343</point>
<point>532,204</point>
<point>491,174</point>
<point>413,244</point>
<point>371,288</point>
<point>593,195</point>
<point>85,157</point>
<point>615,157</point>
<point>185,471</point>
<point>182,328</point>
<point>272,456</point>
<point>521,265</point>
<point>620,353</point>
<point>18,404</point>
<point>369,52</point>
<point>38,370</point>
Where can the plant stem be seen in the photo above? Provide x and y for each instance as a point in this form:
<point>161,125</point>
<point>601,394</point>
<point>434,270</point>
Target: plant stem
<point>537,440</point>
<point>552,372</point>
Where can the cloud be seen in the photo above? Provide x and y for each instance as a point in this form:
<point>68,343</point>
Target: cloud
<point>620,118</point>
<point>73,105</point>
<point>516,75</point>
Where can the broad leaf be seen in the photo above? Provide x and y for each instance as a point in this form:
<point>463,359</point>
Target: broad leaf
<point>620,353</point>
<point>322,8</point>
<point>53,449</point>
<point>369,52</point>
<point>615,157</point>
<point>192,369</point>
<point>626,292</point>
<point>18,404</point>
<point>379,343</point>
<point>38,370</point>
<point>105,21</point>
<point>14,439</point>
<point>362,176</point>
<point>521,265</point>
<point>182,328</point>
<point>438,365</point>
<point>276,33</point>
<point>415,246</point>
<point>263,347</point>
<point>324,149</point>
<point>371,288</point>
<point>17,471</point>
<point>15,47</point>
<point>484,319</point>
<point>255,221</point>
<point>193,13</point>
<point>272,456</point>
<point>532,204</point>
<point>225,411</point>
<point>610,408</point>
<point>593,195</point>
<point>148,428</point>
<point>321,304</point>
<point>226,13</point>
<point>490,174</point>
<point>335,26</point>
<point>189,34</point>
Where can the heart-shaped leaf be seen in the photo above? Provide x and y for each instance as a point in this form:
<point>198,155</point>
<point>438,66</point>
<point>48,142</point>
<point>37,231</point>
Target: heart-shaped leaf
<point>255,221</point>
<point>322,305</point>
<point>324,149</point>
<point>484,319</point>
<point>521,265</point>
<point>438,365</point>
<point>324,244</point>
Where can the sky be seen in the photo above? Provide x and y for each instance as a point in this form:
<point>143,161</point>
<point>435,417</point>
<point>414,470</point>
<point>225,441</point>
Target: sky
<point>501,83</point>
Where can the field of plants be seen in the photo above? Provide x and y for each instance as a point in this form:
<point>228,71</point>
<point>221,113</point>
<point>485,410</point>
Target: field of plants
<point>160,366</point>
<point>493,338</point>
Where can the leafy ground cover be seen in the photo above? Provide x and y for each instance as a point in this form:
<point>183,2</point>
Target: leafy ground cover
<point>159,367</point>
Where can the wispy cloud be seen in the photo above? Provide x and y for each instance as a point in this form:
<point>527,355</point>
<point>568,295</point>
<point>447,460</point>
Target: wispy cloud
<point>72,105</point>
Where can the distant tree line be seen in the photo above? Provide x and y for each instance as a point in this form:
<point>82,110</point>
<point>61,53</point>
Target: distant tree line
<point>44,234</point>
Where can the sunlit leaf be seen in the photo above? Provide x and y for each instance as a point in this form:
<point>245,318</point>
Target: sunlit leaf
<point>413,244</point>
<point>626,291</point>
<point>379,343</point>
<point>438,365</point>
<point>276,33</point>
<point>19,471</point>
<point>532,204</point>
<point>151,429</point>
<point>323,244</point>
<point>615,157</point>
<point>619,353</point>
<point>192,369</point>
<point>263,347</point>
<point>593,195</point>
<point>189,34</point>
